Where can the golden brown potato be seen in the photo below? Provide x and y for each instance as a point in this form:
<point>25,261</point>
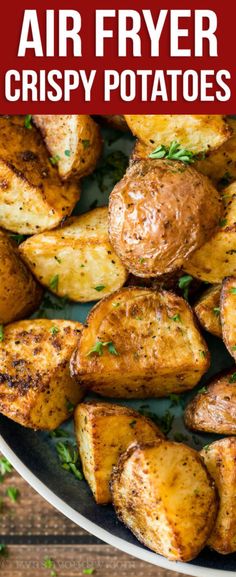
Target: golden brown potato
<point>220,459</point>
<point>103,432</point>
<point>140,343</point>
<point>159,213</point>
<point>32,197</point>
<point>116,121</point>
<point>166,497</point>
<point>207,310</point>
<point>74,139</point>
<point>217,258</point>
<point>220,164</point>
<point>228,314</point>
<point>36,389</point>
<point>20,295</point>
<point>214,409</point>
<point>76,260</point>
<point>195,132</point>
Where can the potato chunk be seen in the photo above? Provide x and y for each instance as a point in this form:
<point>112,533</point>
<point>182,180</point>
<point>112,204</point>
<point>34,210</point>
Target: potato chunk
<point>207,310</point>
<point>214,409</point>
<point>74,139</point>
<point>228,314</point>
<point>103,432</point>
<point>140,343</point>
<point>195,132</point>
<point>32,197</point>
<point>20,295</point>
<point>166,497</point>
<point>36,389</point>
<point>220,459</point>
<point>79,256</point>
<point>220,164</point>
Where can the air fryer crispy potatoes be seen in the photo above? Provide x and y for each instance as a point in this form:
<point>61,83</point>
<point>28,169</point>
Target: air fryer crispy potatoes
<point>103,432</point>
<point>140,343</point>
<point>20,294</point>
<point>220,459</point>
<point>79,256</point>
<point>195,132</point>
<point>36,389</point>
<point>228,314</point>
<point>159,213</point>
<point>207,310</point>
<point>165,495</point>
<point>73,139</point>
<point>214,409</point>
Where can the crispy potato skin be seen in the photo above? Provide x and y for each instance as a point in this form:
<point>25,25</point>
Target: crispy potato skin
<point>103,432</point>
<point>82,240</point>
<point>228,314</point>
<point>220,459</point>
<point>217,258</point>
<point>156,355</point>
<point>215,410</point>
<point>159,213</point>
<point>220,164</point>
<point>20,294</point>
<point>166,497</point>
<point>32,197</point>
<point>76,133</point>
<point>35,383</point>
<point>205,310</point>
<point>194,132</point>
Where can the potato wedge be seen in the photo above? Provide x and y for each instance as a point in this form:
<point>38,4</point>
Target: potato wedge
<point>220,164</point>
<point>32,197</point>
<point>36,389</point>
<point>72,138</point>
<point>103,432</point>
<point>166,497</point>
<point>78,256</point>
<point>220,459</point>
<point>217,258</point>
<point>140,343</point>
<point>228,314</point>
<point>20,294</point>
<point>195,132</point>
<point>154,223</point>
<point>207,310</point>
<point>214,409</point>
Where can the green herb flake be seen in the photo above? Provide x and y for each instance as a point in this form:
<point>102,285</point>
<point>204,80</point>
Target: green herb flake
<point>232,379</point>
<point>5,466</point>
<point>203,354</point>
<point>206,448</point>
<point>99,288</point>
<point>86,143</point>
<point>69,458</point>
<point>202,390</point>
<point>13,493</point>
<point>70,406</point>
<point>132,424</point>
<point>176,318</point>
<point>222,222</point>
<point>99,346</point>
<point>115,305</point>
<point>184,283</point>
<point>142,260</point>
<point>234,348</point>
<point>67,153</point>
<point>18,238</point>
<point>89,571</point>
<point>1,333</point>
<point>111,348</point>
<point>59,433</point>
<point>27,123</point>
<point>54,282</point>
<point>233,290</point>
<point>54,330</point>
<point>174,152</point>
<point>48,563</point>
<point>216,311</point>
<point>3,550</point>
<point>54,159</point>
<point>176,400</point>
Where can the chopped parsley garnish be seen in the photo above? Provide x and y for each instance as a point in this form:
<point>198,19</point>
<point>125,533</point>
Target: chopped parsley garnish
<point>132,424</point>
<point>216,311</point>
<point>70,406</point>
<point>174,152</point>
<point>3,550</point>
<point>233,291</point>
<point>67,152</point>
<point>202,390</point>
<point>164,423</point>
<point>88,571</point>
<point>1,333</point>
<point>28,118</point>
<point>48,563</point>
<point>54,282</point>
<point>232,379</point>
<point>54,330</point>
<point>13,493</point>
<point>86,143</point>
<point>203,354</point>
<point>69,458</point>
<point>99,288</point>
<point>234,348</point>
<point>184,282</point>
<point>222,222</point>
<point>54,159</point>
<point>176,318</point>
<point>176,400</point>
<point>141,260</point>
<point>18,238</point>
<point>5,467</point>
<point>206,447</point>
<point>99,346</point>
<point>59,433</point>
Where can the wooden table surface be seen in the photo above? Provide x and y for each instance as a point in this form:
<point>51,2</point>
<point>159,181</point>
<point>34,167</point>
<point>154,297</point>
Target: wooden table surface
<point>33,531</point>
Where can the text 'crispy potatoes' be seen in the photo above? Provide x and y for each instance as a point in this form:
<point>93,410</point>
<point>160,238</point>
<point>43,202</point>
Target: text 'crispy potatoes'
<point>73,139</point>
<point>165,495</point>
<point>207,310</point>
<point>20,295</point>
<point>103,432</point>
<point>140,343</point>
<point>78,257</point>
<point>220,459</point>
<point>214,409</point>
<point>220,164</point>
<point>159,213</point>
<point>36,389</point>
<point>217,258</point>
<point>194,132</point>
<point>228,314</point>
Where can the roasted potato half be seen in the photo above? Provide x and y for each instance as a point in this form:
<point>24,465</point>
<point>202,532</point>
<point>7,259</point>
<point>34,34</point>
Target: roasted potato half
<point>140,343</point>
<point>32,197</point>
<point>103,432</point>
<point>194,132</point>
<point>78,257</point>
<point>166,497</point>
<point>36,389</point>
<point>20,294</point>
<point>220,459</point>
<point>214,409</point>
<point>217,258</point>
<point>73,139</point>
<point>159,213</point>
<point>228,314</point>
<point>220,164</point>
<point>207,310</point>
